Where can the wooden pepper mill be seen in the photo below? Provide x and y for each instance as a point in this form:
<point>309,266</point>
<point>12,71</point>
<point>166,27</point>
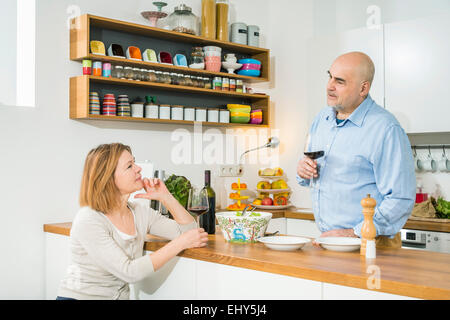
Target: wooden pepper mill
<point>368,231</point>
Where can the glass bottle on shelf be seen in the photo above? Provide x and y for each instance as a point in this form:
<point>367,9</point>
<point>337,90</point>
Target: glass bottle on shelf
<point>222,19</point>
<point>183,20</point>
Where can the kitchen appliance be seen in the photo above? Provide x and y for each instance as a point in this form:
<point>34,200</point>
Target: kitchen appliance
<point>425,240</point>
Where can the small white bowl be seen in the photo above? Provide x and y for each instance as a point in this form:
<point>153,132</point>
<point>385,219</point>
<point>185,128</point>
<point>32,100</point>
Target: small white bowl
<point>231,67</point>
<point>284,243</point>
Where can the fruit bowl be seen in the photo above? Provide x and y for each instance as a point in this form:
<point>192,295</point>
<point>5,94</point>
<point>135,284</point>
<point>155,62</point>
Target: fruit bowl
<point>248,229</point>
<point>271,207</point>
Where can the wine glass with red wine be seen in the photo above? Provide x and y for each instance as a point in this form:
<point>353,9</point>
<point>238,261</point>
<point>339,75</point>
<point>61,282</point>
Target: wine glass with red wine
<point>198,203</point>
<point>313,155</point>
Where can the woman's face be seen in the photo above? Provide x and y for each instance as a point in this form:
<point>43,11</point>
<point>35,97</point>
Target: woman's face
<point>127,175</point>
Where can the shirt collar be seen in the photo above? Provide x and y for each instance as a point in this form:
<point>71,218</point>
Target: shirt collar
<point>358,115</point>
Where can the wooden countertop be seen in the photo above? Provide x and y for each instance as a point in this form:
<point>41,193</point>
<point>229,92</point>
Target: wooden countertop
<point>420,274</point>
<point>439,225</point>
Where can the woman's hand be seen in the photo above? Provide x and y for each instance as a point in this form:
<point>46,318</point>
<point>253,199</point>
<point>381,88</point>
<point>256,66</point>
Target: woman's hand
<point>195,238</point>
<point>155,190</point>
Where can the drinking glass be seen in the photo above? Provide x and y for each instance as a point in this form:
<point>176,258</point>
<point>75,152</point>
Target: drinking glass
<point>313,155</point>
<point>198,203</point>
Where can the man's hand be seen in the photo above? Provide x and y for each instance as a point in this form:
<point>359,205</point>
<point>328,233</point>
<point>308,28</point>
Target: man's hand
<point>337,233</point>
<point>307,168</point>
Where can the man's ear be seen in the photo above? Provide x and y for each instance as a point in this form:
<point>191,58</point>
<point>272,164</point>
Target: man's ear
<point>365,88</point>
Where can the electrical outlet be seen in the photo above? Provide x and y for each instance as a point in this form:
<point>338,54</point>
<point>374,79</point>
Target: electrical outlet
<point>231,171</point>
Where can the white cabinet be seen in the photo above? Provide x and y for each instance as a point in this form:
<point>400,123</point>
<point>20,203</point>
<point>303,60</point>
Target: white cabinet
<point>304,228</point>
<point>417,69</point>
<point>322,51</point>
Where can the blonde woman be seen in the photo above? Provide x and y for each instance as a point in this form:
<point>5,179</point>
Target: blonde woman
<point>108,232</point>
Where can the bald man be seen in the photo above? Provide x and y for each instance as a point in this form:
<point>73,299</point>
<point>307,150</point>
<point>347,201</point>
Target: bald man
<point>366,151</point>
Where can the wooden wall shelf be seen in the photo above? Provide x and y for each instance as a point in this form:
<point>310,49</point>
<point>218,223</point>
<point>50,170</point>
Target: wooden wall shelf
<point>89,27</point>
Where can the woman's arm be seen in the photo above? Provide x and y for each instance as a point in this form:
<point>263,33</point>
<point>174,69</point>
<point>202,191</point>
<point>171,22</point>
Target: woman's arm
<point>157,190</point>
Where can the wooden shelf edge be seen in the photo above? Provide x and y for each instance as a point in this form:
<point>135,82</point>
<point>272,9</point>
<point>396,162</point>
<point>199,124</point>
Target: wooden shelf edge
<point>172,87</point>
<point>107,22</point>
<point>163,121</point>
<point>170,68</point>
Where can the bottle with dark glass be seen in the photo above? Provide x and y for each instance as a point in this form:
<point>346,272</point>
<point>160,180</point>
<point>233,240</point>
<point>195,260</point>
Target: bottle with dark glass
<point>208,220</point>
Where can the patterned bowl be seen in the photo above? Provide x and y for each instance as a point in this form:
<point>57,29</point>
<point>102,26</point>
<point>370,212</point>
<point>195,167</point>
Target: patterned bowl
<point>238,229</point>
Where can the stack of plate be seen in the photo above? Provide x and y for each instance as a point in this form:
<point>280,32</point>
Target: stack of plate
<point>94,103</point>
<point>123,106</point>
<point>109,105</point>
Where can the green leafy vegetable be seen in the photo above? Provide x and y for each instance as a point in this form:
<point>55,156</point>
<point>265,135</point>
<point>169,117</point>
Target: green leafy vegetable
<point>442,208</point>
<point>179,187</point>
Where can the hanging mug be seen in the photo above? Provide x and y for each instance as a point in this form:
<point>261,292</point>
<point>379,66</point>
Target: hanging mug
<point>417,161</point>
<point>444,163</point>
<point>429,164</point>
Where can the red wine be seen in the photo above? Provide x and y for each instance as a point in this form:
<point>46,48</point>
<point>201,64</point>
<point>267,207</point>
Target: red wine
<point>198,211</point>
<point>314,155</point>
<point>208,221</point>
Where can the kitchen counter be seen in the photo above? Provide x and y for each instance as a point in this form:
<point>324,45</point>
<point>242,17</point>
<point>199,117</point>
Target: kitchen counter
<point>411,273</point>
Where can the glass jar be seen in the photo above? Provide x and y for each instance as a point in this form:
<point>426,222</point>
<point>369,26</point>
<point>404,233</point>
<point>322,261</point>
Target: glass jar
<point>159,77</point>
<point>129,73</point>
<point>194,81</point>
<point>137,74</point>
<point>152,76</point>
<point>118,72</point>
<point>188,81</point>
<point>201,82</point>
<point>183,20</point>
<point>222,20</point>
<point>175,78</point>
<point>167,78</point>
<point>209,19</point>
<point>207,83</point>
<point>197,57</point>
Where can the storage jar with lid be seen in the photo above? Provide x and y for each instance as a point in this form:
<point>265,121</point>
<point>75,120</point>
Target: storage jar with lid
<point>207,83</point>
<point>222,20</point>
<point>224,116</point>
<point>145,75</point>
<point>183,20</point>
<point>167,78</point>
<point>189,114</point>
<point>152,76</point>
<point>200,114</point>
<point>177,113</point>
<point>197,57</point>
<point>159,76</point>
<point>129,73</point>
<point>188,81</point>
<point>253,36</point>
<point>137,74</point>
<point>239,33</point>
<point>164,112</point>
<point>151,110</point>
<point>209,19</point>
<point>213,115</point>
<point>118,72</point>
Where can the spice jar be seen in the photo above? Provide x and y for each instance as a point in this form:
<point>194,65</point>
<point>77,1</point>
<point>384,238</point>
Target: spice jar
<point>222,20</point>
<point>183,20</point>
<point>129,74</point>
<point>167,78</point>
<point>208,84</point>
<point>174,78</point>
<point>200,83</point>
<point>152,76</point>
<point>209,19</point>
<point>194,81</point>
<point>159,76</point>
<point>118,72</point>
<point>239,86</point>
<point>188,81</point>
<point>181,80</point>
<point>217,83</point>
<point>225,84</point>
<point>232,84</point>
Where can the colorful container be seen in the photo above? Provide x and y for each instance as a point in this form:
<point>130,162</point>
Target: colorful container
<point>239,113</point>
<point>109,105</point>
<point>106,70</point>
<point>87,67</point>
<point>256,116</point>
<point>97,69</point>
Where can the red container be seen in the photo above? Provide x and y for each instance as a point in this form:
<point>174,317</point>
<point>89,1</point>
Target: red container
<point>421,197</point>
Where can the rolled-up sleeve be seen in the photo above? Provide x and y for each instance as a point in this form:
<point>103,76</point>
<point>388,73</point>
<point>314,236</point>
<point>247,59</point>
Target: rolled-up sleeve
<point>393,167</point>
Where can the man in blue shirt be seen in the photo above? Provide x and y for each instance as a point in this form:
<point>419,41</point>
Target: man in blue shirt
<point>366,151</point>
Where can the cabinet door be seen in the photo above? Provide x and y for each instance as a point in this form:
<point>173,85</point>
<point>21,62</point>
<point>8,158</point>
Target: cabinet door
<point>322,51</point>
<point>417,68</point>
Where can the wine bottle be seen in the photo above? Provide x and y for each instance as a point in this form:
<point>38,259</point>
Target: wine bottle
<point>208,220</point>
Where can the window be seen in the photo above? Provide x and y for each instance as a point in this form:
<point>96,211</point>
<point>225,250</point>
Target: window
<point>18,54</point>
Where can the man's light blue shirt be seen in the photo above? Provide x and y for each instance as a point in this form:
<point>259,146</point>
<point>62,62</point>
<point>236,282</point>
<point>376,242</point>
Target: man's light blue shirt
<point>368,153</point>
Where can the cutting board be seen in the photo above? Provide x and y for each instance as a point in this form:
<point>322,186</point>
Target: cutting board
<point>429,219</point>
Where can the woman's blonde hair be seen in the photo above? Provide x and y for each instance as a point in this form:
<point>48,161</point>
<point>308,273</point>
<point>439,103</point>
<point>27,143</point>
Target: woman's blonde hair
<point>98,189</point>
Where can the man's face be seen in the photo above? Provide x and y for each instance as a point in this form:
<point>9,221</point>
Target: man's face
<point>343,88</point>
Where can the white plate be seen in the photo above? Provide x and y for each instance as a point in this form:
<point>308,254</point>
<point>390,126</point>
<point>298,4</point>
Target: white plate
<point>273,190</point>
<point>271,207</point>
<point>339,243</point>
<point>284,243</point>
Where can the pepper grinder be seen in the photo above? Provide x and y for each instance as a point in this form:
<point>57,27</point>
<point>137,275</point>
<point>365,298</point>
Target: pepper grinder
<point>368,231</point>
